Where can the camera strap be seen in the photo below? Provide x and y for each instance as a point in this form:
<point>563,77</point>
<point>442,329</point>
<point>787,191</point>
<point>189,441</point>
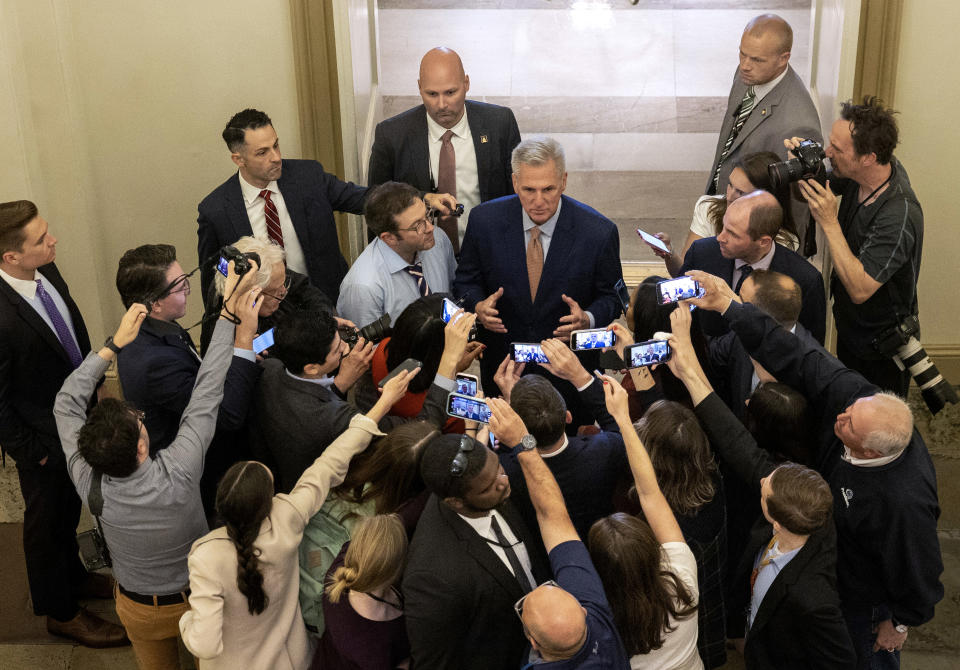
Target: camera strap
<point>95,503</point>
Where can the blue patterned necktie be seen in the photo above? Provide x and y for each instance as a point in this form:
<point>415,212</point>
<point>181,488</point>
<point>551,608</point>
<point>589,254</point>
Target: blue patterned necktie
<point>59,325</point>
<point>416,271</point>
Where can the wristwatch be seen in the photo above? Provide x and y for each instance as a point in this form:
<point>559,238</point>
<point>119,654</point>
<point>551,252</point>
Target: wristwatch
<point>527,442</point>
<point>897,626</point>
<point>111,346</point>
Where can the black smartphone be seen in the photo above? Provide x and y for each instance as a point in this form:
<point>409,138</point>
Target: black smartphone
<point>223,266</point>
<point>528,352</point>
<point>262,342</point>
<point>466,384</point>
<point>674,290</point>
<point>465,407</point>
<point>409,364</point>
<point>623,294</point>
<point>646,353</point>
<point>594,338</point>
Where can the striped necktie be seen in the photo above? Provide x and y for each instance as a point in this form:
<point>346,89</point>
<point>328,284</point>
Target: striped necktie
<point>416,271</point>
<point>743,111</point>
<point>273,219</point>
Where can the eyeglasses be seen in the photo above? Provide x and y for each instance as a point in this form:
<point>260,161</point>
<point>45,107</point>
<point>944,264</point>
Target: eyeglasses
<point>518,606</point>
<point>421,225</point>
<point>460,461</point>
<point>285,288</point>
<point>180,285</point>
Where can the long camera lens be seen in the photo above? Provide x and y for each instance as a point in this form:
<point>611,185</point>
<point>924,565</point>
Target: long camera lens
<point>936,390</point>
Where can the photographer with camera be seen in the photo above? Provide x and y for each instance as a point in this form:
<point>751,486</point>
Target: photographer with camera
<point>875,239</point>
<point>410,257</point>
<point>151,508</point>
<point>300,408</point>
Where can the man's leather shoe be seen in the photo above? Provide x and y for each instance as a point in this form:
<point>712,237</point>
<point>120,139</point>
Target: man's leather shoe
<point>96,585</point>
<point>89,630</point>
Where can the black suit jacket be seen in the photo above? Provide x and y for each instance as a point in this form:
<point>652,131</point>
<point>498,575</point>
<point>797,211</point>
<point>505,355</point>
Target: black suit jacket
<point>401,152</point>
<point>33,366</point>
<point>459,595</point>
<point>705,255</point>
<point>311,197</point>
<point>158,371</point>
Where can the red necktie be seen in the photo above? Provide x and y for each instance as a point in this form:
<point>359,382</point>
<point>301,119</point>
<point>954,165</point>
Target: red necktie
<point>273,219</point>
<point>447,183</point>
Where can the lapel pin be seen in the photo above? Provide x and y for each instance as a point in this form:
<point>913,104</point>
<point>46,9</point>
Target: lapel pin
<point>484,139</point>
<point>762,112</point>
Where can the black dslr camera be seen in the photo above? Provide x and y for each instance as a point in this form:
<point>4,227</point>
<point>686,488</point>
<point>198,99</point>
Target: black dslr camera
<point>808,164</point>
<point>372,332</point>
<point>241,261</point>
<point>900,343</point>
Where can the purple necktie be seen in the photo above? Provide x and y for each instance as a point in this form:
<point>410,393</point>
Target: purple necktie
<point>60,326</point>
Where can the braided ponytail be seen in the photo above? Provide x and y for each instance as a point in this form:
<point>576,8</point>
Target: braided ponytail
<point>244,498</point>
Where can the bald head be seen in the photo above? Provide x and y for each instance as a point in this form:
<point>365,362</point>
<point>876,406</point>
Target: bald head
<point>749,226</point>
<point>556,623</point>
<point>776,294</point>
<point>443,86</point>
<point>773,26</point>
<point>764,49</point>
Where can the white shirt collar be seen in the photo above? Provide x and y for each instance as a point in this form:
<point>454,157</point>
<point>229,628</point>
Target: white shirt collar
<point>760,90</point>
<point>869,462</point>
<point>251,192</point>
<point>559,451</point>
<point>25,287</point>
<point>436,131</point>
<point>762,264</point>
<point>546,228</point>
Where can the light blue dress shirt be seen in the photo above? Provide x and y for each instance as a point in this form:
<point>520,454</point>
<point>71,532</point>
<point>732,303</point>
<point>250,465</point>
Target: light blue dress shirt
<point>766,577</point>
<point>377,283</point>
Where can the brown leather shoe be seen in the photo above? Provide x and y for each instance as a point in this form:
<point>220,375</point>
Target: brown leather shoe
<point>89,630</point>
<point>96,585</point>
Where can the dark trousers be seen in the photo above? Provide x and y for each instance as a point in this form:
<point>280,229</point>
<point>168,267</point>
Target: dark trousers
<point>50,522</point>
<point>862,624</point>
<point>883,372</point>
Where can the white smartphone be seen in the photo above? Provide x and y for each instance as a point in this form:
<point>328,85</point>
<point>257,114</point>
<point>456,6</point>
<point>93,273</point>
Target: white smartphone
<point>655,241</point>
<point>466,407</point>
<point>593,338</point>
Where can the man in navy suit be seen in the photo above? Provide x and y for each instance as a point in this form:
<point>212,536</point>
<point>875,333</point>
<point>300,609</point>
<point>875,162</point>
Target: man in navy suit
<point>750,225</point>
<point>288,201</point>
<point>571,254</point>
<point>410,147</point>
<point>42,340</point>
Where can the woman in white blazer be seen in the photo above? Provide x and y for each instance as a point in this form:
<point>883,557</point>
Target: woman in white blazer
<point>244,583</point>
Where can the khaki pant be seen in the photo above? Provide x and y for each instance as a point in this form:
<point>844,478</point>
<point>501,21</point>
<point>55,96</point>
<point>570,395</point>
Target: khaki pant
<point>153,631</point>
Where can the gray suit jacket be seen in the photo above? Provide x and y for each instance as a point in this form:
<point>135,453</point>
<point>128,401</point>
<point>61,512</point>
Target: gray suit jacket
<point>786,111</point>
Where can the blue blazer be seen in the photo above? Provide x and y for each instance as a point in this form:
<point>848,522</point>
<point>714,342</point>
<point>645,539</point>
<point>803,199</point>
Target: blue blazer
<point>583,262</point>
<point>401,152</point>
<point>705,255</point>
<point>311,197</point>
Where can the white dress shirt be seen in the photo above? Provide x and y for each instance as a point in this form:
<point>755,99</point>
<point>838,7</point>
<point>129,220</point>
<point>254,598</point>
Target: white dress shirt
<point>761,90</point>
<point>762,264</point>
<point>484,529</point>
<point>468,181</point>
<point>258,221</point>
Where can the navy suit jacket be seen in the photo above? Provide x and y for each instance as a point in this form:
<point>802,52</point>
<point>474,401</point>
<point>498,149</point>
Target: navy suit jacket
<point>401,153</point>
<point>705,255</point>
<point>583,262</point>
<point>311,197</point>
<point>157,372</point>
<point>731,370</point>
<point>33,367</point>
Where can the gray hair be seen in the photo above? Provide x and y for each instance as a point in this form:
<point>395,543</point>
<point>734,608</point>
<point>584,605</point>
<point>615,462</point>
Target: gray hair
<point>537,151</point>
<point>896,429</point>
<point>270,255</point>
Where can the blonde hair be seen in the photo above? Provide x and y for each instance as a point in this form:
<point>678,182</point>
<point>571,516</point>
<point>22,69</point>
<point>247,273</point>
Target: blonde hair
<point>374,558</point>
<point>270,255</point>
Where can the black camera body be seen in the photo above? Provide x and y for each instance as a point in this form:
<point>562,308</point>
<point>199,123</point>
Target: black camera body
<point>372,332</point>
<point>808,164</point>
<point>889,341</point>
<point>241,261</point>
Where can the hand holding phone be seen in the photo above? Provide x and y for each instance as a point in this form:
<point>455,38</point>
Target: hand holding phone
<point>675,290</point>
<point>470,409</point>
<point>593,338</point>
<point>655,242</point>
<point>409,364</point>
